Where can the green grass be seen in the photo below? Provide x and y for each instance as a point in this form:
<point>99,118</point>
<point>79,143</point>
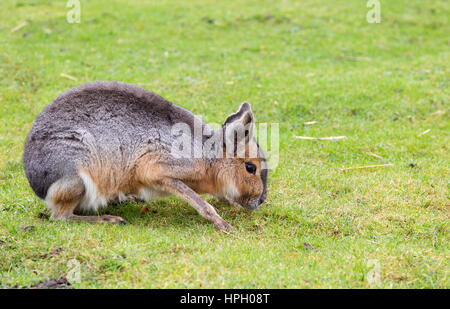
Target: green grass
<point>381,85</point>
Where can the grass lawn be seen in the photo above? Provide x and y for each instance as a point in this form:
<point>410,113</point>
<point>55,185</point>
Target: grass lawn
<point>380,85</point>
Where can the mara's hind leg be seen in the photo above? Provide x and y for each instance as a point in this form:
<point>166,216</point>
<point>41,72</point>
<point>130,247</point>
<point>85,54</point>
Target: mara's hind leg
<point>65,195</point>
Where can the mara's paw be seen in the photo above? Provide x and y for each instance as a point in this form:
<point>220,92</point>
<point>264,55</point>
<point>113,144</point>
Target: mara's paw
<point>223,225</point>
<point>112,219</point>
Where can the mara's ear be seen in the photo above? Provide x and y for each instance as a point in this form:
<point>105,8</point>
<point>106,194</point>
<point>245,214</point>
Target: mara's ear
<point>238,129</point>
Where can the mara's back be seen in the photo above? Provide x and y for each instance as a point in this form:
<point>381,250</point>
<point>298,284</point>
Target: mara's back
<point>109,122</point>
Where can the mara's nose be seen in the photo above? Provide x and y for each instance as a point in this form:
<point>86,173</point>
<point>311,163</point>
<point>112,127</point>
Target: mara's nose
<point>262,198</point>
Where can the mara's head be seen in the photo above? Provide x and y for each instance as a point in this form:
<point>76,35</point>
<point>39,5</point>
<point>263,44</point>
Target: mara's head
<point>242,171</point>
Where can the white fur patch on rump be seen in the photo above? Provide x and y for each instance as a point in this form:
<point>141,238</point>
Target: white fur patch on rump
<point>92,200</point>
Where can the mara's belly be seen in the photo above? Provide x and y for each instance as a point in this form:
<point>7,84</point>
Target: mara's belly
<point>95,199</point>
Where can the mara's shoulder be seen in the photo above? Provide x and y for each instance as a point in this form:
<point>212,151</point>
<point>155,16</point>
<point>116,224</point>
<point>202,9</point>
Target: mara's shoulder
<point>101,87</point>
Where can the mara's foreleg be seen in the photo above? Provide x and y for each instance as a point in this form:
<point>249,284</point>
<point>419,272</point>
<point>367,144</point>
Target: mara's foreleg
<point>65,195</point>
<point>178,188</point>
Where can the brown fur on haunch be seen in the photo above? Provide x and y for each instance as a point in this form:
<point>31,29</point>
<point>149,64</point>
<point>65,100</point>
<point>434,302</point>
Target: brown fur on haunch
<point>64,196</point>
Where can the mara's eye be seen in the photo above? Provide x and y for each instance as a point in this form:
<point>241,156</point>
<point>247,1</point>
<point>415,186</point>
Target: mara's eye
<point>250,167</point>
